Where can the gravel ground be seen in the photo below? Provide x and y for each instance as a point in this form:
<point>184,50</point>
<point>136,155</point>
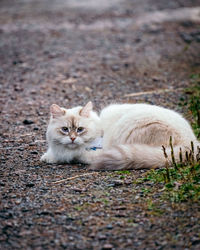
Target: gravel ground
<point>69,52</point>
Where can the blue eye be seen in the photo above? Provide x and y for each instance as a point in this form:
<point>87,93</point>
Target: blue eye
<point>65,129</point>
<point>80,129</point>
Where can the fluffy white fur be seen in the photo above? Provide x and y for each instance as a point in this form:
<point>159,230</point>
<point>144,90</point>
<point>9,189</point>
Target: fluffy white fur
<point>64,147</point>
<point>134,135</point>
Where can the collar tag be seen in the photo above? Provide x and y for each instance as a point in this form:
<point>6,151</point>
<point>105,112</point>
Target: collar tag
<point>96,144</point>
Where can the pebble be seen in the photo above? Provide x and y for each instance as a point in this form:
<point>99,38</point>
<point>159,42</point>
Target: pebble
<point>80,190</point>
<point>92,235</point>
<point>197,38</point>
<point>18,201</point>
<point>18,89</point>
<point>107,246</point>
<point>109,226</point>
<point>115,67</point>
<point>34,152</point>
<point>28,122</point>
<point>33,92</point>
<point>186,37</point>
<point>118,182</point>
<point>30,184</point>
<point>102,237</point>
<point>119,208</point>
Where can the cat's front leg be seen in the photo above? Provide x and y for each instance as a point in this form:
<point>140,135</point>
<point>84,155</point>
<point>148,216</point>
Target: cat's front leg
<point>48,157</point>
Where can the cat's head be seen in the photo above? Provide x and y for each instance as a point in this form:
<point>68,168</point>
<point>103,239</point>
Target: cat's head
<point>74,127</point>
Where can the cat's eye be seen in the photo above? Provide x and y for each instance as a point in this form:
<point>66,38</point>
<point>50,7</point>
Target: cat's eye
<point>80,129</point>
<point>65,129</point>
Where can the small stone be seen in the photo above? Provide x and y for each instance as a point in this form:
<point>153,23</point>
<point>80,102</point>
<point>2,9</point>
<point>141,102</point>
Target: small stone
<point>18,88</point>
<point>195,241</point>
<point>186,23</point>
<point>15,62</point>
<point>195,33</point>
<point>111,185</point>
<point>27,122</point>
<point>118,182</point>
<point>92,235</point>
<point>34,152</point>
<point>109,226</point>
<point>20,149</point>
<point>186,37</point>
<point>33,92</point>
<point>126,65</point>
<point>80,190</point>
<point>197,38</point>
<point>107,246</point>
<point>128,182</point>
<point>102,237</point>
<point>30,184</point>
<point>137,40</point>
<point>154,29</point>
<point>119,208</point>
<point>157,79</point>
<point>120,215</point>
<point>115,67</point>
<point>18,201</point>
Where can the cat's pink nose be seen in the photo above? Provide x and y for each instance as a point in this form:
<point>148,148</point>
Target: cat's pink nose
<point>73,139</point>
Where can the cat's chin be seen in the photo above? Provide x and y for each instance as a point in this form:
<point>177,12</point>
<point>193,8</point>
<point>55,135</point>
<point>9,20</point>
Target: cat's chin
<point>72,146</point>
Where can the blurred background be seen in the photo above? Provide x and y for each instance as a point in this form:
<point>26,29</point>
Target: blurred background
<point>71,51</point>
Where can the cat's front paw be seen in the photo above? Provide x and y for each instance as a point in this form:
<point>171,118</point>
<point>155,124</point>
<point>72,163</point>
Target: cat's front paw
<point>47,158</point>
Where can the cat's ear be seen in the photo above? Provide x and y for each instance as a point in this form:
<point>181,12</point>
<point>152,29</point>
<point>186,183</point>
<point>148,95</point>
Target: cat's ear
<point>56,111</point>
<point>85,111</point>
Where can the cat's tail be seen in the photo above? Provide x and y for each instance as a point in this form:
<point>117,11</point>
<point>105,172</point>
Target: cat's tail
<point>137,156</point>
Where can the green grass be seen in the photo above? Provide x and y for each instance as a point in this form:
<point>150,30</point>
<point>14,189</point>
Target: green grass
<point>193,103</point>
<point>183,184</point>
<point>122,173</point>
<point>181,181</point>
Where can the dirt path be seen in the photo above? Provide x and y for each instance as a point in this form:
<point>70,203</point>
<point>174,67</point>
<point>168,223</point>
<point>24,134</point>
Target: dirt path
<point>69,52</point>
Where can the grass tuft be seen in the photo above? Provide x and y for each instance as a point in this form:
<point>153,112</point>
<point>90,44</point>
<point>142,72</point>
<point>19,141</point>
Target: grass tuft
<point>182,180</point>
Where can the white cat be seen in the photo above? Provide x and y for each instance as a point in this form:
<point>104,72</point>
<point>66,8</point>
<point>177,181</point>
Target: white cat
<point>133,135</point>
<point>70,132</point>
